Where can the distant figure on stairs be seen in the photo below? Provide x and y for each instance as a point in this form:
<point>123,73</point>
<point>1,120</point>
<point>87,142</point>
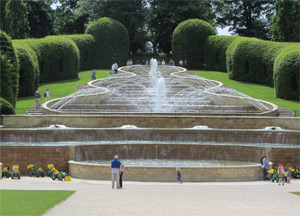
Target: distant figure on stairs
<point>37,98</point>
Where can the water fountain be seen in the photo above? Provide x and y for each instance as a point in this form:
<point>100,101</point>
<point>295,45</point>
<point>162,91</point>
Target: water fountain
<point>161,112</point>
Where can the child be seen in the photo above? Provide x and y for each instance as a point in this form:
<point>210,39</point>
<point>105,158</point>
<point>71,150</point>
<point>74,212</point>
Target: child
<point>121,175</point>
<point>179,175</point>
<point>288,176</point>
<point>280,173</point>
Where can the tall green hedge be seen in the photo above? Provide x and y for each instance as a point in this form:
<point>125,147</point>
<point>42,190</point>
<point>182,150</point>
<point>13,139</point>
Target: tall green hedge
<point>215,52</point>
<point>287,74</point>
<point>9,70</point>
<point>252,60</point>
<point>188,42</point>
<point>58,58</point>
<point>29,69</point>
<point>112,42</point>
<point>86,45</point>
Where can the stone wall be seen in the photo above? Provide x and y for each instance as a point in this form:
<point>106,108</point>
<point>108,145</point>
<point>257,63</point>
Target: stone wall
<point>149,121</point>
<point>1,170</point>
<point>168,174</point>
<point>60,155</point>
<point>38,155</point>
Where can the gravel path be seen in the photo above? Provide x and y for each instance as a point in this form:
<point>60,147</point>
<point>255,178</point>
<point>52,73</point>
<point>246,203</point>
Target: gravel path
<point>143,198</point>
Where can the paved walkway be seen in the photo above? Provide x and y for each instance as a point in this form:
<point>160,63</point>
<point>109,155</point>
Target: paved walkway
<point>142,199</point>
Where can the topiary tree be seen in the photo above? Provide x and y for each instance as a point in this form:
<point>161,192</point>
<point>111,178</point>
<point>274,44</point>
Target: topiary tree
<point>188,42</point>
<point>6,107</point>
<point>58,58</point>
<point>215,51</point>
<point>29,69</point>
<point>85,44</point>
<point>112,42</point>
<point>287,74</point>
<point>9,70</point>
<point>252,60</point>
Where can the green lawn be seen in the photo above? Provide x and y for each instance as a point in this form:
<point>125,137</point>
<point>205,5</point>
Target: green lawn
<point>27,202</point>
<point>257,91</point>
<point>58,89</point>
<point>296,193</point>
<point>66,87</point>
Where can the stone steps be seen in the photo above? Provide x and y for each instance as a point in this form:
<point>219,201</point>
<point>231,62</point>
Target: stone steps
<point>283,112</point>
<point>35,111</point>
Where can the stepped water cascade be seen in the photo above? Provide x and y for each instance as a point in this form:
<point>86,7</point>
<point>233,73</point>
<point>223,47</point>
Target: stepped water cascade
<point>155,113</point>
<point>158,89</point>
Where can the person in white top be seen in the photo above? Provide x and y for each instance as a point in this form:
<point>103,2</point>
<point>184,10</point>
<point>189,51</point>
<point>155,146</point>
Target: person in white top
<point>47,95</point>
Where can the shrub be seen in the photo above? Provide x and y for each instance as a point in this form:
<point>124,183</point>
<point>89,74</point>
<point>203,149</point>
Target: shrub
<point>112,42</point>
<point>9,70</point>
<point>252,60</point>
<point>287,74</point>
<point>85,44</point>
<point>188,42</point>
<point>58,58</point>
<point>6,107</point>
<point>29,69</point>
<point>215,52</point>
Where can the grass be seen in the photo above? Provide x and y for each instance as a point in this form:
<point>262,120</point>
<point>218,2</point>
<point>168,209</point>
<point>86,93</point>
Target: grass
<point>254,90</point>
<point>57,89</point>
<point>30,202</point>
<point>66,87</point>
<point>296,193</point>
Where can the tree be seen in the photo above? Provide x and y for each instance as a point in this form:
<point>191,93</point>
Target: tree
<point>246,18</point>
<point>2,14</point>
<point>286,22</point>
<point>40,18</point>
<point>16,19</point>
<point>164,16</point>
<point>66,22</point>
<point>130,13</point>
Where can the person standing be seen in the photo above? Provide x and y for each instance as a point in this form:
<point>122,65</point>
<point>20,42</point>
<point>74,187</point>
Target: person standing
<point>37,98</point>
<point>280,173</point>
<point>93,74</point>
<point>121,175</point>
<point>47,95</point>
<point>266,166</point>
<point>115,166</point>
<point>181,63</point>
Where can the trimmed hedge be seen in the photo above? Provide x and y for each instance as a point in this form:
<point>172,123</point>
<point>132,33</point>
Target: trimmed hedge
<point>215,52</point>
<point>287,74</point>
<point>252,60</point>
<point>58,58</point>
<point>188,42</point>
<point>29,69</point>
<point>6,107</point>
<point>9,70</point>
<point>85,44</point>
<point>112,42</point>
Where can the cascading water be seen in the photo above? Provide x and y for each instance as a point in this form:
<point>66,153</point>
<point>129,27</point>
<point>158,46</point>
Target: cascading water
<point>160,94</point>
<point>162,89</point>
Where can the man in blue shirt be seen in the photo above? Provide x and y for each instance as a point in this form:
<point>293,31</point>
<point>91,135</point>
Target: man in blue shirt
<point>115,166</point>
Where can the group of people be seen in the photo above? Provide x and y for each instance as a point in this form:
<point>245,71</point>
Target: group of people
<point>117,171</point>
<point>280,171</point>
<point>37,97</point>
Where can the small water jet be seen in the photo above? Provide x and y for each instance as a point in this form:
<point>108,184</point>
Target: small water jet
<point>57,126</point>
<point>129,127</point>
<point>201,127</point>
<point>273,128</point>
